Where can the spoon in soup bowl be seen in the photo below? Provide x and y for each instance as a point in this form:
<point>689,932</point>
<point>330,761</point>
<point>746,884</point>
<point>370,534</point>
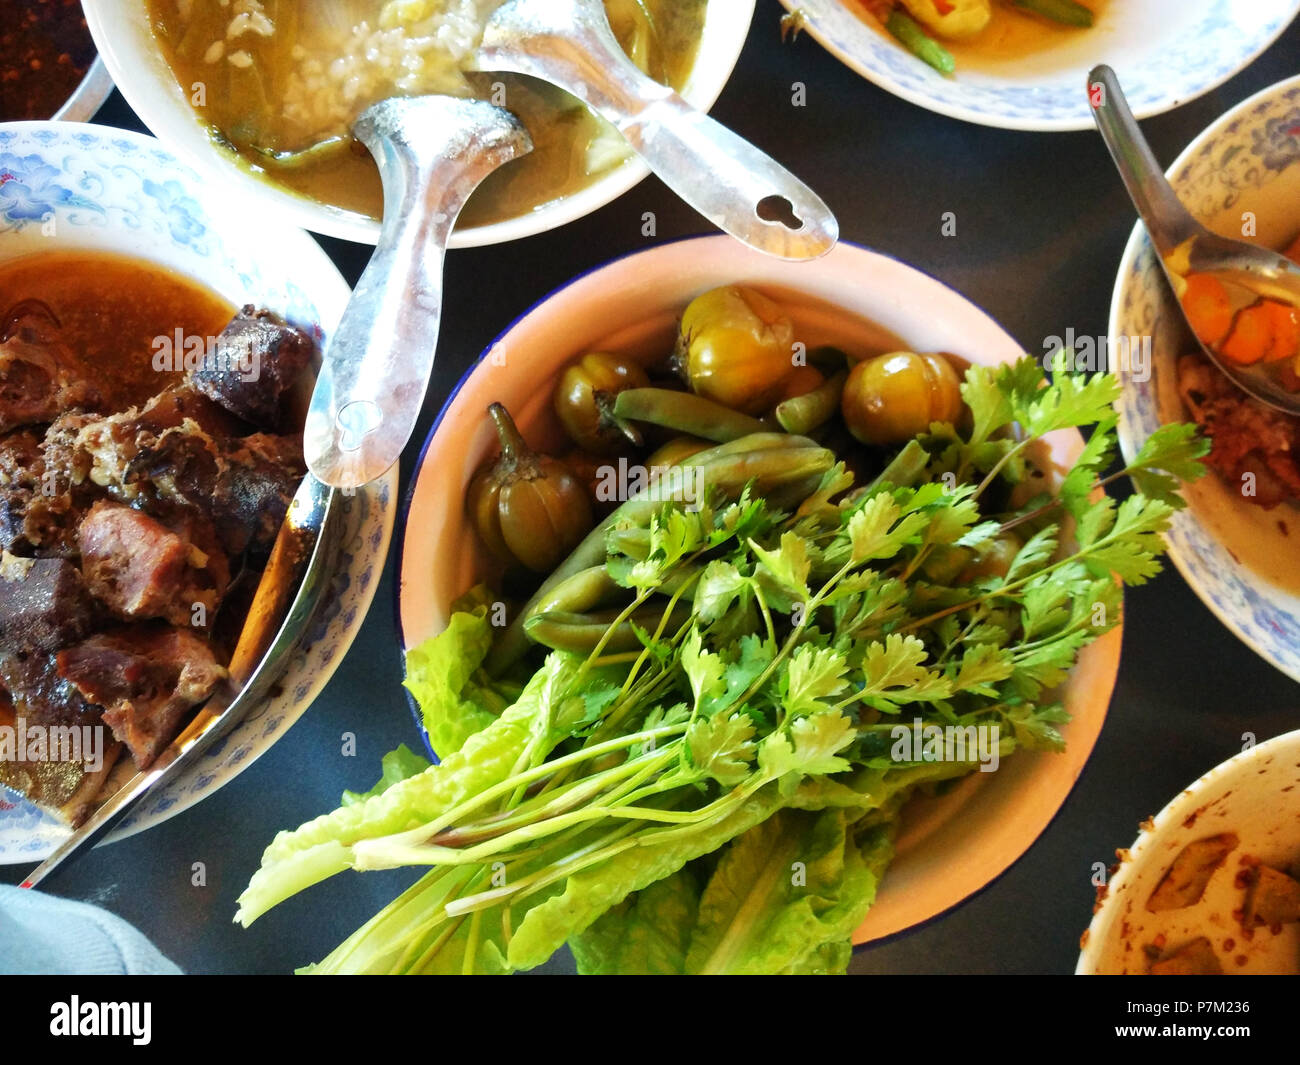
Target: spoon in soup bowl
<point>432,152</point>
<point>741,190</point>
<point>1241,301</point>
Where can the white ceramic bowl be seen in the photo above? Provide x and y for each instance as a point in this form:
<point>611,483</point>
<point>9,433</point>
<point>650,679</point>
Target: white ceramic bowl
<point>950,847</point>
<point>125,41</point>
<point>1243,561</point>
<point>65,186</point>
<point>1255,795</point>
<point>1166,53</point>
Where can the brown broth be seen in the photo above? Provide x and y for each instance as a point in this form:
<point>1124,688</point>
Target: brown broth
<point>111,309</point>
<point>561,128</point>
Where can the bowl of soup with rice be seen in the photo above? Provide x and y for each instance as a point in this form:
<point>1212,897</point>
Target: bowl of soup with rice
<point>266,92</point>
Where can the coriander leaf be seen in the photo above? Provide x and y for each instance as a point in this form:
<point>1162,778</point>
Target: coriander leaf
<point>1132,548</point>
<point>787,567</point>
<point>1036,552</point>
<point>981,666</point>
<point>813,674</point>
<point>988,402</point>
<point>722,747</point>
<point>810,748</point>
<point>1070,401</point>
<point>879,529</point>
<point>1174,448</point>
<point>895,670</point>
<point>1078,485</point>
<point>720,585</point>
<point>703,668</point>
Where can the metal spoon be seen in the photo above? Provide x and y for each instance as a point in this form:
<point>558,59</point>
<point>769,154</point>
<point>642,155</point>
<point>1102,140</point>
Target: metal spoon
<point>432,151</point>
<point>306,545</point>
<point>741,190</point>
<point>1251,270</point>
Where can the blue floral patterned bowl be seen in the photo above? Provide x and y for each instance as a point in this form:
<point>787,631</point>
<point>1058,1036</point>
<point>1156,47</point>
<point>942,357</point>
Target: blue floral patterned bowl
<point>1241,176</point>
<point>1166,52</point>
<point>72,187</point>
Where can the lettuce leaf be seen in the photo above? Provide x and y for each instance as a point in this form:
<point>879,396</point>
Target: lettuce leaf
<point>319,849</point>
<point>589,893</point>
<point>647,934</point>
<point>785,893</point>
<point>440,674</point>
<point>396,765</point>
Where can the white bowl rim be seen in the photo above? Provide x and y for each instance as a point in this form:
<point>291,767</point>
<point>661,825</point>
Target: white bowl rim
<point>1171,811</point>
<point>1111,642</point>
<point>984,118</point>
<point>1136,246</point>
<point>707,83</point>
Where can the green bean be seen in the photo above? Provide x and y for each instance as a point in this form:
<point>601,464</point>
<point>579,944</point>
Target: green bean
<point>685,412</point>
<point>584,590</point>
<point>902,471</point>
<point>769,460</point>
<point>915,40</point>
<point>567,631</point>
<point>803,414</point>
<point>1066,11</point>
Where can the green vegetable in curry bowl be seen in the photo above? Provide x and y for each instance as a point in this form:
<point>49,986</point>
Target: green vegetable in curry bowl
<point>646,805</point>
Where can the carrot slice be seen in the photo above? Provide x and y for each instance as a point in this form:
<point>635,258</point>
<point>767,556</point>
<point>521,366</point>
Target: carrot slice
<point>1251,336</point>
<point>1284,321</point>
<point>1205,302</point>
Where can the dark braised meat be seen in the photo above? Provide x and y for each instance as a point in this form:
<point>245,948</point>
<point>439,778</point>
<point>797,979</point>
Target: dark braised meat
<point>40,695</point>
<point>262,473</point>
<point>257,356</point>
<point>1253,447</point>
<point>245,483</point>
<point>43,604</point>
<point>146,677</point>
<point>139,568</point>
<point>36,379</point>
<point>20,457</point>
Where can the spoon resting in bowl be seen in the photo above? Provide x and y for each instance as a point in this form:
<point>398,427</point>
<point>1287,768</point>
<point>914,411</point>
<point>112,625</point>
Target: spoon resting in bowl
<point>1241,301</point>
<point>735,186</point>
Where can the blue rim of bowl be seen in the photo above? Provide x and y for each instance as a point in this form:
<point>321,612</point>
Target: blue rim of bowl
<point>1137,245</point>
<point>399,533</point>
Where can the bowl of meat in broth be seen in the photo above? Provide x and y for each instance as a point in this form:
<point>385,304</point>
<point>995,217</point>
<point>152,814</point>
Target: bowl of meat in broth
<point>156,351</point>
<point>264,93</point>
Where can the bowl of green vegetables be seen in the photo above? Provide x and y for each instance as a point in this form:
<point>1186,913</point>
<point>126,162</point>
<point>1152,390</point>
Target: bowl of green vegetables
<point>753,610</point>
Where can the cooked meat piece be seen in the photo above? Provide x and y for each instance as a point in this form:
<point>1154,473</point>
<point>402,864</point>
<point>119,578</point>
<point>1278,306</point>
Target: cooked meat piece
<point>255,489</point>
<point>1194,958</point>
<point>258,355</point>
<point>1273,899</point>
<point>43,604</point>
<point>146,677</point>
<point>1246,436</point>
<point>140,569</point>
<point>37,381</point>
<point>244,483</point>
<point>59,491</point>
<point>40,695</point>
<point>1184,881</point>
<point>20,461</point>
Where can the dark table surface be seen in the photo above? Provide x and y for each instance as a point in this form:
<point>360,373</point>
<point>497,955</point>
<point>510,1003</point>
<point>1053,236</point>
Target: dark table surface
<point>1041,222</point>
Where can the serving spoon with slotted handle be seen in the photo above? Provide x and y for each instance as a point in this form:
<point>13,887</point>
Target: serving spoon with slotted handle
<point>432,153</point>
<point>1174,232</point>
<point>735,186</point>
<point>287,595</point>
